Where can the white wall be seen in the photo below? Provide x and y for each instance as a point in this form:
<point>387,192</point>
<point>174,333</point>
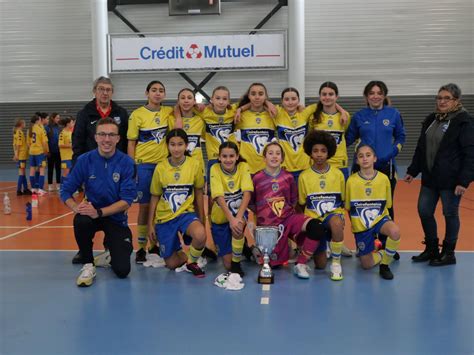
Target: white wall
<point>414,46</point>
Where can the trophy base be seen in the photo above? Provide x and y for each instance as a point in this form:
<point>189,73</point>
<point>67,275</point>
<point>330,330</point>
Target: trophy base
<point>265,280</point>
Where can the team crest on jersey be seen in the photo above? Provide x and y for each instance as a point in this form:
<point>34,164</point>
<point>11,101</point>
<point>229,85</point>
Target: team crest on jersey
<point>323,204</point>
<point>157,119</point>
<point>386,122</point>
<point>368,191</point>
<point>368,212</point>
<point>330,123</point>
<point>176,176</point>
<point>220,120</point>
<point>176,196</point>
<point>116,177</point>
<point>186,126</point>
<point>322,184</point>
<point>275,186</point>
<point>294,122</point>
<point>117,119</point>
<point>231,184</point>
<point>277,205</point>
<point>258,120</point>
<point>233,201</point>
<point>361,246</point>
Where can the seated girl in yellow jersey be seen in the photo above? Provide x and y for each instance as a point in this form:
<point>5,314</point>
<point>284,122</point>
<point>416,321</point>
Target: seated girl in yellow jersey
<point>65,145</point>
<point>176,193</point>
<point>321,192</point>
<point>368,197</point>
<point>38,148</point>
<point>20,154</point>
<point>256,127</point>
<point>147,129</point>
<point>274,201</point>
<point>231,187</point>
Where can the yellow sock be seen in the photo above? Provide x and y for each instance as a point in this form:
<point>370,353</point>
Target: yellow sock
<point>391,246</point>
<point>336,251</point>
<point>377,256</point>
<point>142,236</point>
<point>194,254</point>
<point>237,247</point>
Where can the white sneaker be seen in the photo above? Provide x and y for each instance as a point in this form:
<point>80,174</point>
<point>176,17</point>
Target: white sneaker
<point>345,251</point>
<point>41,192</point>
<point>87,275</point>
<point>301,271</point>
<point>51,188</point>
<point>102,259</point>
<point>336,272</point>
<point>58,187</point>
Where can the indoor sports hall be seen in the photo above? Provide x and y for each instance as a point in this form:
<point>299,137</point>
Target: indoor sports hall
<point>51,51</point>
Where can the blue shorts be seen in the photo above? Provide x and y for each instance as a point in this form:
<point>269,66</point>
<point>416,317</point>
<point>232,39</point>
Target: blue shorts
<point>222,236</point>
<point>143,180</point>
<point>66,164</point>
<point>37,161</point>
<point>327,238</point>
<point>167,233</point>
<point>365,239</point>
<point>21,164</point>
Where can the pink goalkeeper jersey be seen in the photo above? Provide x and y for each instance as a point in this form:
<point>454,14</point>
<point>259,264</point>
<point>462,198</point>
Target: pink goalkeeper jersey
<point>274,197</point>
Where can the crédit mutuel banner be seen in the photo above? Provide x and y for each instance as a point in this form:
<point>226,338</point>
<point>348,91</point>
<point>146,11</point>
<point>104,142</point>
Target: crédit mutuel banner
<point>197,52</point>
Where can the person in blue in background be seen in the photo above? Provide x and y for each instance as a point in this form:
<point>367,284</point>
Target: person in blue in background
<point>380,126</point>
<point>54,159</point>
<point>109,179</point>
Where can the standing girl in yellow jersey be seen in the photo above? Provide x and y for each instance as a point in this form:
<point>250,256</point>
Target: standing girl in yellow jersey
<point>176,193</point>
<point>147,129</point>
<point>327,117</point>
<point>38,148</point>
<point>231,188</point>
<point>256,126</point>
<point>65,145</point>
<point>20,154</point>
<point>368,198</point>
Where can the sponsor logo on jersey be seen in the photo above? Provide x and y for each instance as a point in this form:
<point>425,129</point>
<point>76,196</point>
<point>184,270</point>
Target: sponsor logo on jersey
<point>257,137</point>
<point>220,131</point>
<point>367,211</point>
<point>233,201</point>
<point>386,122</point>
<point>176,195</point>
<point>294,137</point>
<point>323,203</point>
<point>194,142</point>
<point>277,204</point>
<point>337,136</point>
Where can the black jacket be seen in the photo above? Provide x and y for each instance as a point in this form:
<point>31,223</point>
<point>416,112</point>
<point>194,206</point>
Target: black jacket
<point>454,161</point>
<point>83,139</point>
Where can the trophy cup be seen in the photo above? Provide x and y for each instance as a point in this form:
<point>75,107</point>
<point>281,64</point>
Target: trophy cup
<point>266,239</point>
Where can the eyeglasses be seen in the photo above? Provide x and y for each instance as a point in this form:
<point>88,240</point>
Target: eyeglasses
<point>106,90</point>
<point>103,135</point>
<point>445,98</point>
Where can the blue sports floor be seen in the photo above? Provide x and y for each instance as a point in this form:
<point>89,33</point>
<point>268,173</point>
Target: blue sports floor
<point>424,310</point>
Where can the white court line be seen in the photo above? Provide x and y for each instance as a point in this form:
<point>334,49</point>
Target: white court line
<point>35,226</point>
<point>265,300</point>
<point>46,227</point>
<point>265,287</point>
<point>8,187</point>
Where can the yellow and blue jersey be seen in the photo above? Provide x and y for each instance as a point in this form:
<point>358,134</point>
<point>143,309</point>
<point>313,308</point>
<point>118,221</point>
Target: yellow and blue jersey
<point>175,186</point>
<point>322,193</point>
<point>195,129</point>
<point>367,200</point>
<point>231,187</point>
<point>219,128</point>
<point>65,138</point>
<point>332,124</point>
<point>256,130</point>
<point>149,129</point>
<point>291,131</point>
<point>38,140</point>
<point>19,141</point>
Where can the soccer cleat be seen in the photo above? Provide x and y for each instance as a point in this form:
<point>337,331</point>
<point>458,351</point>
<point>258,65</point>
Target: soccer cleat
<point>87,275</point>
<point>77,259</point>
<point>301,271</point>
<point>102,259</point>
<point>336,272</point>
<point>27,192</point>
<point>154,250</point>
<point>385,272</point>
<point>41,192</point>
<point>140,256</point>
<point>236,268</point>
<point>345,251</point>
<point>195,270</point>
<point>19,193</point>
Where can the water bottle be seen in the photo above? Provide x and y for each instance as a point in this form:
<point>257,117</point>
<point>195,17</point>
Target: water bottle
<point>28,211</point>
<point>34,200</point>
<point>7,207</point>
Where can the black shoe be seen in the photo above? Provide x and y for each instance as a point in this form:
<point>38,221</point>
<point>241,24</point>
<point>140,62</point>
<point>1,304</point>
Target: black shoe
<point>140,256</point>
<point>385,272</point>
<point>236,268</point>
<point>446,259</point>
<point>154,250</point>
<point>396,256</point>
<point>247,253</point>
<point>208,253</point>
<point>77,259</point>
<point>19,193</point>
<point>431,252</point>
<point>27,192</point>
<point>195,270</point>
